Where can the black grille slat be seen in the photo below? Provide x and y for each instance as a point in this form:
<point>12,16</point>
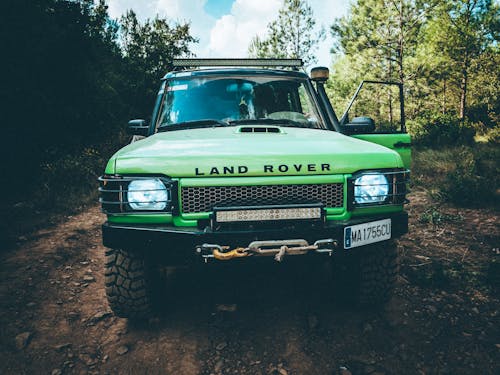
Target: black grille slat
<point>205,198</point>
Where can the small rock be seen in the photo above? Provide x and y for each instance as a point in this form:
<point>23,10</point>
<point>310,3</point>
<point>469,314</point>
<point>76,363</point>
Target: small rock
<point>22,238</point>
<point>122,350</point>
<point>31,304</point>
<point>218,366</point>
<point>73,315</point>
<point>99,316</point>
<point>498,346</point>
<point>62,346</point>
<point>227,307</point>
<point>475,310</point>
<point>56,371</point>
<point>432,309</point>
<point>23,339</point>
<point>282,371</point>
<point>88,278</point>
<point>344,371</point>
<point>402,281</point>
<point>366,360</point>
<point>221,346</point>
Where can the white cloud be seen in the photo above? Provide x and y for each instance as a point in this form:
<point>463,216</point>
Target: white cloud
<point>325,12</point>
<point>180,11</point>
<point>233,32</point>
<point>230,35</point>
<point>191,11</point>
<point>143,9</point>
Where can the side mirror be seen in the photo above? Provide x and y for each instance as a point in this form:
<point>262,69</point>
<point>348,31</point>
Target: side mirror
<point>138,127</point>
<point>360,125</point>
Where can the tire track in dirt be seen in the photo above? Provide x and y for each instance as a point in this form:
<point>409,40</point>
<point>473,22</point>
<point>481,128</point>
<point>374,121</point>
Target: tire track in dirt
<point>263,319</point>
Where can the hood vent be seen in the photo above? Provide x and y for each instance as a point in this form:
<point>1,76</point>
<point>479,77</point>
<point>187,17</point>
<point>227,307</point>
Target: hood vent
<point>259,129</point>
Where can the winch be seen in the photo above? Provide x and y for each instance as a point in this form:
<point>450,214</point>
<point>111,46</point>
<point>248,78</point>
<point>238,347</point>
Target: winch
<point>276,248</point>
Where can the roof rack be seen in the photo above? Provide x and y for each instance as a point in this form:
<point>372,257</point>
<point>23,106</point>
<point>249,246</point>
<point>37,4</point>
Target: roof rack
<point>275,63</point>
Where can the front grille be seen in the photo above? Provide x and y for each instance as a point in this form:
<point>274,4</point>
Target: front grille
<point>204,199</point>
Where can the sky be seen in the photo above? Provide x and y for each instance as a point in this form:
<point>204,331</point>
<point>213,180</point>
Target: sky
<point>225,27</point>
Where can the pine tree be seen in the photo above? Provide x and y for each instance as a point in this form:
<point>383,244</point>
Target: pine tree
<point>291,35</point>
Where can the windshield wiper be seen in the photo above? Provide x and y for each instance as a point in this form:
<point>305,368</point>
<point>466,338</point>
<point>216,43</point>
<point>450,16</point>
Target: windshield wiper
<point>194,124</point>
<point>272,121</point>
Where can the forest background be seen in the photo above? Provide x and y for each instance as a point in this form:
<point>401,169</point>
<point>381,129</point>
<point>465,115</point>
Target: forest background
<point>73,77</point>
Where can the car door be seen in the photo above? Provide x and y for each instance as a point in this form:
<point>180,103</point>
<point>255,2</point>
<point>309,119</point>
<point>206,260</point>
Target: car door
<point>388,133</point>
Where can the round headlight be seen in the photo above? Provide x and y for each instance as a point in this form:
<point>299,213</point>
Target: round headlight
<point>371,188</point>
<point>147,195</point>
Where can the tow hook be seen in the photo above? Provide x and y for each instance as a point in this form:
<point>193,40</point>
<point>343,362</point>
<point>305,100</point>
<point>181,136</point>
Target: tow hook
<point>278,248</point>
<point>236,253</point>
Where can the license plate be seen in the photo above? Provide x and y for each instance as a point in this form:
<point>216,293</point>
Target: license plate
<point>367,233</point>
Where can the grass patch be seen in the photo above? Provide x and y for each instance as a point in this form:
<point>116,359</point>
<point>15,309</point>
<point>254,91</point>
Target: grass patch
<point>435,217</point>
<point>448,275</point>
<point>466,176</point>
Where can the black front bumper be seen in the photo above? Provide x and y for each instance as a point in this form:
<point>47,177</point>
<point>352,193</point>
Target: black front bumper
<point>175,245</point>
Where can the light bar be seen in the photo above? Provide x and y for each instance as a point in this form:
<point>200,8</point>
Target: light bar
<point>186,63</point>
<point>268,214</point>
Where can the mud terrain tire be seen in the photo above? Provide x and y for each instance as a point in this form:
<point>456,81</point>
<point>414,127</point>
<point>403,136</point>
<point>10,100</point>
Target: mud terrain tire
<point>128,284</point>
<point>368,277</point>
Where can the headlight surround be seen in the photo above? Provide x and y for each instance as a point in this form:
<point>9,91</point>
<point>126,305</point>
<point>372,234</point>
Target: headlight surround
<point>371,188</point>
<point>148,195</point>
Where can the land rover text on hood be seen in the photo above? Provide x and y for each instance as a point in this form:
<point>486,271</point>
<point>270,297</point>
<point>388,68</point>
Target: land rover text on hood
<point>247,161</point>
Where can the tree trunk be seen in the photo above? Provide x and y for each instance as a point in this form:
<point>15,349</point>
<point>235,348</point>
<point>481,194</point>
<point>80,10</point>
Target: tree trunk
<point>401,43</point>
<point>463,85</point>
<point>443,104</point>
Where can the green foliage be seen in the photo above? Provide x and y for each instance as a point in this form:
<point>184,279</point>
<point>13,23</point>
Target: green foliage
<point>445,52</point>
<point>441,130</point>
<point>149,49</point>
<point>435,217</point>
<point>292,35</point>
<point>69,87</point>
<point>474,182</point>
<point>464,176</point>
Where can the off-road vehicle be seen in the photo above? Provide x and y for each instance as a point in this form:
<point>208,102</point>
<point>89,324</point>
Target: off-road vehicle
<point>246,160</point>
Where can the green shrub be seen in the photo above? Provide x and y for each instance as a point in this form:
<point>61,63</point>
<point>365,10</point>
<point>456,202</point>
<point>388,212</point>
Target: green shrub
<point>474,182</point>
<point>465,176</point>
<point>441,130</point>
<point>493,135</point>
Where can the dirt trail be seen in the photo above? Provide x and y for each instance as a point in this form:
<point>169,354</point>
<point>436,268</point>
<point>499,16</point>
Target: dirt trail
<point>269,320</point>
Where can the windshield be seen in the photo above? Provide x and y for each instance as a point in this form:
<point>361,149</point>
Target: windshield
<point>233,100</point>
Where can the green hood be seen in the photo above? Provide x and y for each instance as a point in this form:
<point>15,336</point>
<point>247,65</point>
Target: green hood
<point>215,152</point>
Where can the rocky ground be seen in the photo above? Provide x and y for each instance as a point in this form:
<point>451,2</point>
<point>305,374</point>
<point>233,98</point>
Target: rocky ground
<point>443,319</point>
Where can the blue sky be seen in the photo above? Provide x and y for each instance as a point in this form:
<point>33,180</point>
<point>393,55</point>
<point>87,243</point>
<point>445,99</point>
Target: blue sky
<point>225,27</point>
<point>217,8</point>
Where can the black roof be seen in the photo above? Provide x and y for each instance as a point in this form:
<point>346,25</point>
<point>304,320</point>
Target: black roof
<point>235,72</point>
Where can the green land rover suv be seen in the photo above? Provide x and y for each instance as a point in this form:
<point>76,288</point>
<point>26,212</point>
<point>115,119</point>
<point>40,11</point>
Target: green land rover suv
<point>244,161</point>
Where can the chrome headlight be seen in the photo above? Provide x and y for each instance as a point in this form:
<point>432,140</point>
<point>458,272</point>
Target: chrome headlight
<point>371,187</point>
<point>148,194</point>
